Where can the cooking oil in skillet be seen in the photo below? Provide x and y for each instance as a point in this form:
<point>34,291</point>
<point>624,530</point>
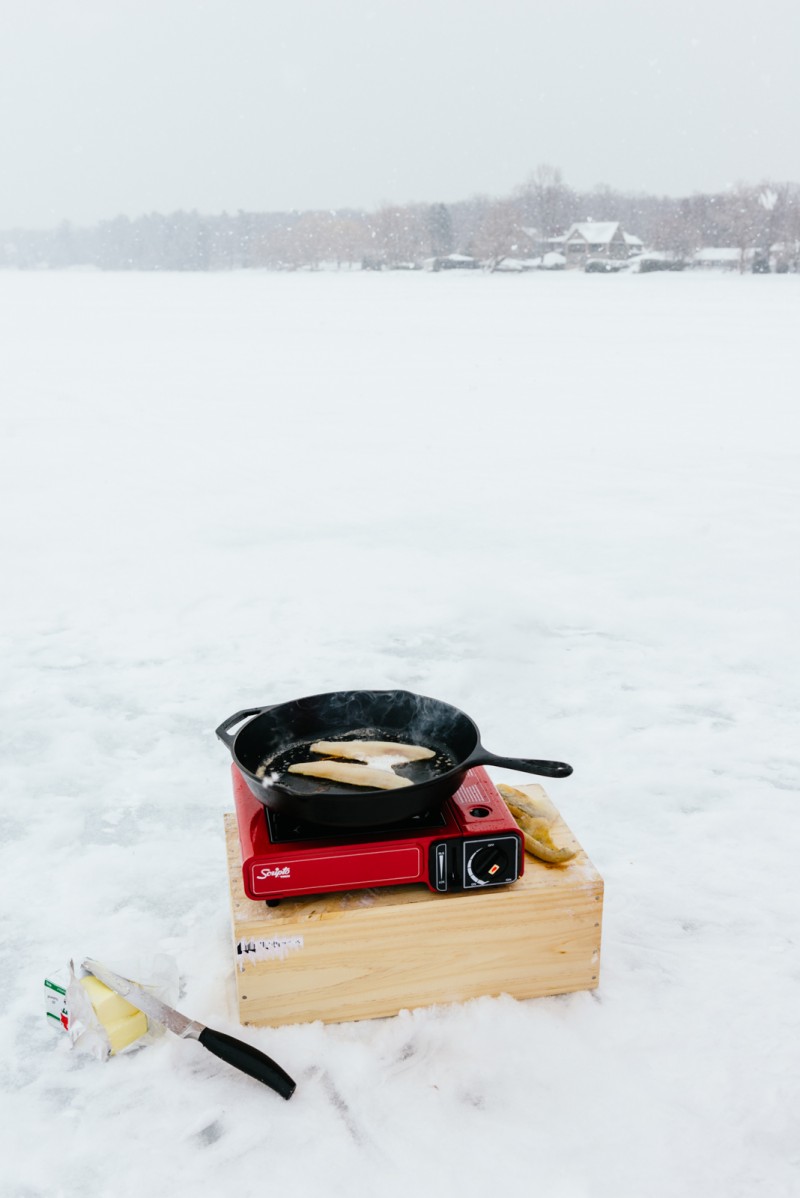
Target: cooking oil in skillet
<point>276,768</point>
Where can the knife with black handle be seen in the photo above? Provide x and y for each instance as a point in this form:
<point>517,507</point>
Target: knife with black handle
<point>242,1056</point>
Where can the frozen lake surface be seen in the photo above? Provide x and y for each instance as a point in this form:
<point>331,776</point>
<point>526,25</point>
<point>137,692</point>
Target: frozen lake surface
<point>566,504</point>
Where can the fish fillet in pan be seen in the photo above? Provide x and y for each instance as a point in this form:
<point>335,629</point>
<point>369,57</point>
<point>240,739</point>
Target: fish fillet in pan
<point>351,774</point>
<point>366,750</point>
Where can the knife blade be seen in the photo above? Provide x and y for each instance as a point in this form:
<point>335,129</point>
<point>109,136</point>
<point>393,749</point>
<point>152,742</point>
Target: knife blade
<point>236,1052</point>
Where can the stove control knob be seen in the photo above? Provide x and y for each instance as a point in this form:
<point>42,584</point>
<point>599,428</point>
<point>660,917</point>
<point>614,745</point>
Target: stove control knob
<point>488,864</point>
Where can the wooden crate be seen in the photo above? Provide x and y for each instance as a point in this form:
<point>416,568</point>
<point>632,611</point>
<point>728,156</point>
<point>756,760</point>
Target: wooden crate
<point>365,954</point>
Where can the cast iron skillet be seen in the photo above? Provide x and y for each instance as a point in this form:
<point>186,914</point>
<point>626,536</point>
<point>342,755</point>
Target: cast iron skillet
<point>274,732</point>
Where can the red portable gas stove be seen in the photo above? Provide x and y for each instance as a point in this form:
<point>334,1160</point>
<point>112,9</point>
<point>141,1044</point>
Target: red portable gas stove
<point>469,842</point>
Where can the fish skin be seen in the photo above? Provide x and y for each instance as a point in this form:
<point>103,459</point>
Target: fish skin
<point>534,821</point>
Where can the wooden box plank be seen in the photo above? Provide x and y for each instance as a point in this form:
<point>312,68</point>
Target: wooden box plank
<point>366,954</point>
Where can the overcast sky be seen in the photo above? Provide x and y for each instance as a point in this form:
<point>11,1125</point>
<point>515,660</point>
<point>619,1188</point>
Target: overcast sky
<point>131,106</point>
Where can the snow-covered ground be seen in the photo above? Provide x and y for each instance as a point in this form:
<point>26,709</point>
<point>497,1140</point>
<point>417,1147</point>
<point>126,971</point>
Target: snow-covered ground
<point>568,505</point>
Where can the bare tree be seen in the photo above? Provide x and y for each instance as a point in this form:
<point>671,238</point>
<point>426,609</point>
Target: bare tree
<point>499,234</point>
<point>399,235</point>
<point>348,238</point>
<point>789,214</point>
<point>546,204</point>
<point>743,220</point>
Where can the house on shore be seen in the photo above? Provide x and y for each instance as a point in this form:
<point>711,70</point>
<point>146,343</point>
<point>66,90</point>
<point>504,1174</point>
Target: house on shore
<point>604,239</point>
<point>452,262</point>
<point>718,258</point>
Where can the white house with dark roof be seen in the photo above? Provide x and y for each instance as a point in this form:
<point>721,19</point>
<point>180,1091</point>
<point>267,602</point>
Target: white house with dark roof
<point>597,239</point>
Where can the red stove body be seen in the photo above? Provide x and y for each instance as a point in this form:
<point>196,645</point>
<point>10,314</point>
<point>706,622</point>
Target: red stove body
<point>470,842</point>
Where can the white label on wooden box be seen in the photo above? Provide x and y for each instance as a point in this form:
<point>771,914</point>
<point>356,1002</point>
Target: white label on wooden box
<point>274,948</point>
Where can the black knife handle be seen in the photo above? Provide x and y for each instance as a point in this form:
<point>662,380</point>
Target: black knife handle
<point>249,1060</point>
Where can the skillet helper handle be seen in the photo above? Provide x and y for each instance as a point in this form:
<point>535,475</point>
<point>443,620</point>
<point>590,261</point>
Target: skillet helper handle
<point>249,1060</point>
<point>233,720</point>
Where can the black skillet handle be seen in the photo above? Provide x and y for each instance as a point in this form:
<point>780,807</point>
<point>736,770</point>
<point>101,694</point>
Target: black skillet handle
<point>548,769</point>
<point>249,1060</point>
<point>232,720</point>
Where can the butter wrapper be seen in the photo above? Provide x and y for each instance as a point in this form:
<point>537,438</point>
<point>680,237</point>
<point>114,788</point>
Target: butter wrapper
<point>55,999</point>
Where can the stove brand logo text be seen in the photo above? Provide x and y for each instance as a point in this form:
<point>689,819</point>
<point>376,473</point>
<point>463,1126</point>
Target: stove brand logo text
<point>282,871</point>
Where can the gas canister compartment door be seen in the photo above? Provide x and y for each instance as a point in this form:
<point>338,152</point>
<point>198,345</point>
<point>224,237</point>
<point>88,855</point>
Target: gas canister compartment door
<point>489,861</point>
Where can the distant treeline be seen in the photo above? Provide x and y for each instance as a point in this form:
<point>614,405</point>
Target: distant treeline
<point>748,217</point>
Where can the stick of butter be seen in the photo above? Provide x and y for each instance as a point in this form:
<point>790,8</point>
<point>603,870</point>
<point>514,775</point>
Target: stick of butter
<point>122,1022</point>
